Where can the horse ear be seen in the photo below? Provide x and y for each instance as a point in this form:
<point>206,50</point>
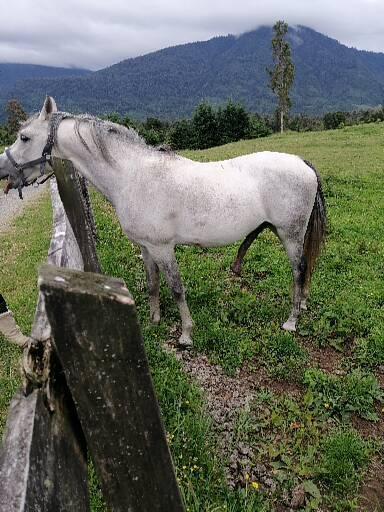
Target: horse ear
<point>48,108</point>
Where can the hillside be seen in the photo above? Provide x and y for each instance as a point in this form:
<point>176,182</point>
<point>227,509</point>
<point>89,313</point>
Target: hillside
<point>10,74</point>
<point>169,83</point>
<point>13,75</point>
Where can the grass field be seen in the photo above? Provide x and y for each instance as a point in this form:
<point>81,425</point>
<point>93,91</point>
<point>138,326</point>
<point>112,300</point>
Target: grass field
<point>310,434</point>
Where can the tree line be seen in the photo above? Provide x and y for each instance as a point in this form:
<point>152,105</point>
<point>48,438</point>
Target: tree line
<point>210,126</point>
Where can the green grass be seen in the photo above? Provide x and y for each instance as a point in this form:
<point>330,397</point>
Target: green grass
<point>306,438</point>
<point>21,251</point>
<point>305,448</point>
<point>355,392</point>
<point>285,357</point>
<point>344,454</point>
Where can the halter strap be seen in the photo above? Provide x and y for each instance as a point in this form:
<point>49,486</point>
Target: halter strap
<point>46,156</point>
<point>20,167</point>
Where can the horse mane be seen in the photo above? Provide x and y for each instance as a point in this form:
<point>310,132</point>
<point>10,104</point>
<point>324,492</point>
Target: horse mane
<point>102,131</point>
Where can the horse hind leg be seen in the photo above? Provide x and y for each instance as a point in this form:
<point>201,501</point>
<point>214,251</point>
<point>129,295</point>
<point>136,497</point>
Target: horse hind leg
<point>305,293</point>
<point>299,266</point>
<point>238,263</point>
<point>153,282</point>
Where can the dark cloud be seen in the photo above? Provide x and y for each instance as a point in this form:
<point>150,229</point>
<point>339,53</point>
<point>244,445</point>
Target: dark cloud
<point>95,33</point>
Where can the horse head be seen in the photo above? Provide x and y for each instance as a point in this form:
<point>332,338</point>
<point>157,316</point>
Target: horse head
<point>21,163</point>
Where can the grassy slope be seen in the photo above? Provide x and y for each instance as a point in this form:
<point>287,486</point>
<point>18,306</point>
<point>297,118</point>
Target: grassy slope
<point>238,322</point>
<point>348,288</point>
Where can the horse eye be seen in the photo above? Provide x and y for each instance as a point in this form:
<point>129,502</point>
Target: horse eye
<point>24,138</point>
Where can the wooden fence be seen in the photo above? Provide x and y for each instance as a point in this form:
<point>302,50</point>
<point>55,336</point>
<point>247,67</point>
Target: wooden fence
<point>87,386</point>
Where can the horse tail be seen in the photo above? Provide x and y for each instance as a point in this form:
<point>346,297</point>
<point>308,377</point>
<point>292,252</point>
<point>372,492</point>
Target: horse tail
<point>316,230</point>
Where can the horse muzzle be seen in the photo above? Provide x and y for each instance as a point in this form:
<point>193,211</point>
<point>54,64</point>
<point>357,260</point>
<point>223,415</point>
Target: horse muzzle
<point>5,167</point>
<point>13,182</point>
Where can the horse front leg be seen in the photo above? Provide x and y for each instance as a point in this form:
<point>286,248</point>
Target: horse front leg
<point>153,282</point>
<point>166,260</point>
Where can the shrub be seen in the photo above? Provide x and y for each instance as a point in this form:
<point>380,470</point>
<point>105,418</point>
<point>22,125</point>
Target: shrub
<point>303,123</point>
<point>152,136</point>
<point>233,123</point>
<point>205,126</point>
<point>6,138</point>
<point>334,120</point>
<point>181,135</point>
<point>370,351</point>
<point>114,117</point>
<point>258,127</point>
<point>355,392</point>
<point>345,455</point>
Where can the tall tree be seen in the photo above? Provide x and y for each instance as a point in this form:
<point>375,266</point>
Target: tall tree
<point>16,115</point>
<point>283,73</point>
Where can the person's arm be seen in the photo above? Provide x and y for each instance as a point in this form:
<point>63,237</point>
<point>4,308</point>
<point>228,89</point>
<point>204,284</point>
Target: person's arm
<point>3,305</point>
<point>9,327</point>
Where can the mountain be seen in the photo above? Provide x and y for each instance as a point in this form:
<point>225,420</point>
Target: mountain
<point>169,83</point>
<point>10,74</point>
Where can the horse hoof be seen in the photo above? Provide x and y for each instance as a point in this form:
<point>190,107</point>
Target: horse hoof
<point>236,269</point>
<point>289,326</point>
<point>185,341</point>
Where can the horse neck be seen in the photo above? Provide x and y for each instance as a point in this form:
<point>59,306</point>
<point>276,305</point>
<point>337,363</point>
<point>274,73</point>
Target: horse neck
<point>103,175</point>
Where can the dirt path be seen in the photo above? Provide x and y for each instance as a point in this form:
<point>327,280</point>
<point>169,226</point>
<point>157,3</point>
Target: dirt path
<point>226,397</point>
<point>11,206</point>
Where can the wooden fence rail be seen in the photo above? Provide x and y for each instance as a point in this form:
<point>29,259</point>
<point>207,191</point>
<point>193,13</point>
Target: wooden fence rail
<point>87,385</point>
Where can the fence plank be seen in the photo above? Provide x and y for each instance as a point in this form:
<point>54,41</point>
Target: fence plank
<point>63,252</point>
<point>103,356</point>
<point>74,195</point>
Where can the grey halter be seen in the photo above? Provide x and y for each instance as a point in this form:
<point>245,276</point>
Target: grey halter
<point>46,156</point>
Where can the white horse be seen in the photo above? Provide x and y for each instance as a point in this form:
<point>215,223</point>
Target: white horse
<point>163,199</point>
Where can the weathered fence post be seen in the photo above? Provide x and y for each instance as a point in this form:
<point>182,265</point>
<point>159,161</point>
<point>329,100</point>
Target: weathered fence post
<point>97,338</point>
<point>43,459</point>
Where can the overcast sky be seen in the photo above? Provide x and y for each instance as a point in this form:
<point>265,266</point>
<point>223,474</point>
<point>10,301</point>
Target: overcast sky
<point>96,33</point>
